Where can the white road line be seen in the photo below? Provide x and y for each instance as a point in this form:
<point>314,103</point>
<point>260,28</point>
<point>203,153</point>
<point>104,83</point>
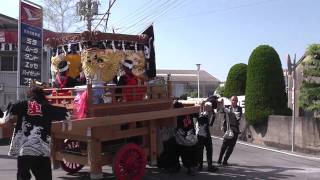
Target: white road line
<point>274,150</point>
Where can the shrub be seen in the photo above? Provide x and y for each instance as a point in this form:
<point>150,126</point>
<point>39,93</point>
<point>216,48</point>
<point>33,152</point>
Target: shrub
<point>309,98</point>
<point>220,91</point>
<point>265,86</point>
<point>236,80</point>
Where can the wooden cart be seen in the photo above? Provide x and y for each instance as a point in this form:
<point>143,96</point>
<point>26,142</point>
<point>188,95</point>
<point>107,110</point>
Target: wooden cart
<point>101,139</point>
<point>116,133</point>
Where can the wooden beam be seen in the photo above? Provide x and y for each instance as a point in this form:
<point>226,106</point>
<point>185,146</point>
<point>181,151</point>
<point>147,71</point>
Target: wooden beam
<point>94,157</point>
<point>60,97</point>
<point>105,136</point>
<point>71,158</point>
<point>132,117</point>
<point>130,104</point>
<point>57,145</point>
<point>153,143</point>
<point>67,135</point>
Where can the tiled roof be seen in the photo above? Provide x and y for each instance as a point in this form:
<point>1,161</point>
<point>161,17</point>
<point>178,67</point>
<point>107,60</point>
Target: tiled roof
<point>187,75</point>
<point>7,22</point>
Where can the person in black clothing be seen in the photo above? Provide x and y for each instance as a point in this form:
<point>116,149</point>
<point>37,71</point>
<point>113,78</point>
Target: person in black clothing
<point>186,142</point>
<point>31,138</point>
<point>205,120</point>
<point>1,113</point>
<point>234,112</point>
<point>62,79</point>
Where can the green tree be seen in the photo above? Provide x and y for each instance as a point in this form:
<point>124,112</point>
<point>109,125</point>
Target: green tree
<point>265,86</point>
<point>220,91</point>
<point>193,94</point>
<point>236,80</point>
<point>309,98</point>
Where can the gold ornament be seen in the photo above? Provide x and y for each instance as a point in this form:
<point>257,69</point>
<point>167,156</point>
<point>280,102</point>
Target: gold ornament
<point>103,64</point>
<point>138,62</point>
<point>55,60</point>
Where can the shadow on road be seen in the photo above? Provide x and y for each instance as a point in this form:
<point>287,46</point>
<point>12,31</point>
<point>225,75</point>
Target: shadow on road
<point>6,157</point>
<point>236,172</point>
<point>85,176</point>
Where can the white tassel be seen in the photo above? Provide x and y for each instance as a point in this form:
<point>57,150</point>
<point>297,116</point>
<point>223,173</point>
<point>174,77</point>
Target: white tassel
<point>69,47</point>
<point>80,47</point>
<point>64,50</point>
<point>136,47</point>
<point>113,46</point>
<point>105,44</point>
<point>123,47</point>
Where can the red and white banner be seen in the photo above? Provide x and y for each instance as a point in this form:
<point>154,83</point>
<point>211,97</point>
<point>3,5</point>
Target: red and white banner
<point>30,42</point>
<point>31,15</point>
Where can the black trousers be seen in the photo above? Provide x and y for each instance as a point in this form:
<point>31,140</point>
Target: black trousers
<point>188,155</point>
<point>169,158</point>
<point>227,148</point>
<point>205,142</point>
<point>40,167</point>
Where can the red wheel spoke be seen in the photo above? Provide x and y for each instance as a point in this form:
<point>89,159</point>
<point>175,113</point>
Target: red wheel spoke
<point>130,162</point>
<point>72,146</point>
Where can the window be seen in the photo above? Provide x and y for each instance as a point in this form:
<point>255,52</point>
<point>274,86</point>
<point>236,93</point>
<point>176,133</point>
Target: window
<point>8,63</point>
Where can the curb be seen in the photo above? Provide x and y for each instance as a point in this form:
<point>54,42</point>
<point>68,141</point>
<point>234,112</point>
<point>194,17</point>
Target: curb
<point>274,150</point>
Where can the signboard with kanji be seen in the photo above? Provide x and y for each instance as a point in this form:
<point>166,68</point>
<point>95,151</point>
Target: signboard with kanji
<point>30,42</point>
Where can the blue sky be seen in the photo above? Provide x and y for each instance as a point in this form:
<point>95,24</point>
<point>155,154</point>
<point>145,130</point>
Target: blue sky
<point>214,33</point>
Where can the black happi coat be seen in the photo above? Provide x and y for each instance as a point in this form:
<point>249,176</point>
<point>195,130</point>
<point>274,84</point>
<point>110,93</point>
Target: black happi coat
<point>33,129</point>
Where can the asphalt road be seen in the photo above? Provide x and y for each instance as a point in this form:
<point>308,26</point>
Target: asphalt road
<point>247,163</point>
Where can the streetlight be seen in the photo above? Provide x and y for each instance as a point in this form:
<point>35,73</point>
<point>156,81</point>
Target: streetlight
<point>198,69</point>
<point>292,72</point>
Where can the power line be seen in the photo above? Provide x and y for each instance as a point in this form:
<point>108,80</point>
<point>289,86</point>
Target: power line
<point>107,13</point>
<point>225,9</point>
<point>137,12</point>
<point>139,30</point>
<point>164,8</point>
<point>146,14</point>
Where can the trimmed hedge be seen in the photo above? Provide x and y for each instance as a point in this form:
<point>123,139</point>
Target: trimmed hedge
<point>265,87</point>
<point>236,80</point>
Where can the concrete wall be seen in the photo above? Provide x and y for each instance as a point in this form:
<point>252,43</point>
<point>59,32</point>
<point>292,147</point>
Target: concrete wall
<point>277,133</point>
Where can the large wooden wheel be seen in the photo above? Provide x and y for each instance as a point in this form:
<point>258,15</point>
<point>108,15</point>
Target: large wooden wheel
<point>72,147</point>
<point>129,163</point>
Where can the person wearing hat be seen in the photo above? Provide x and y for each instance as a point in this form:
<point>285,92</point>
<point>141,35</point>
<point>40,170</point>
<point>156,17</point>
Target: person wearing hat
<point>62,79</point>
<point>129,79</point>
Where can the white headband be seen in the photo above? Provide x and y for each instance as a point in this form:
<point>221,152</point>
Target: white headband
<point>128,65</point>
<point>64,69</point>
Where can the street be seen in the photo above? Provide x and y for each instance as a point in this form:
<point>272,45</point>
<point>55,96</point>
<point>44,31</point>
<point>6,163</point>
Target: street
<point>246,163</point>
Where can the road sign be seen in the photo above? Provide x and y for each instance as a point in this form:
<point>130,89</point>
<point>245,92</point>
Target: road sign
<point>30,42</point>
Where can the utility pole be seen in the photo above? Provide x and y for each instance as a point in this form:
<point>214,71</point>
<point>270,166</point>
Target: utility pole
<point>87,9</point>
<point>89,15</point>
<point>198,69</point>
<point>111,2</point>
<point>292,72</point>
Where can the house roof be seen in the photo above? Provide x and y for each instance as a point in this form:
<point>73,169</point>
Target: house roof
<point>7,22</point>
<point>301,59</point>
<point>187,75</point>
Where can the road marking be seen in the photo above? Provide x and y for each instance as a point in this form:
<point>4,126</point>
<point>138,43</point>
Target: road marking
<point>274,150</point>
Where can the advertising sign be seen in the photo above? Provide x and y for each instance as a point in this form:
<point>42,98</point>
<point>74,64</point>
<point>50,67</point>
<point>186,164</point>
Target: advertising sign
<point>30,42</point>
